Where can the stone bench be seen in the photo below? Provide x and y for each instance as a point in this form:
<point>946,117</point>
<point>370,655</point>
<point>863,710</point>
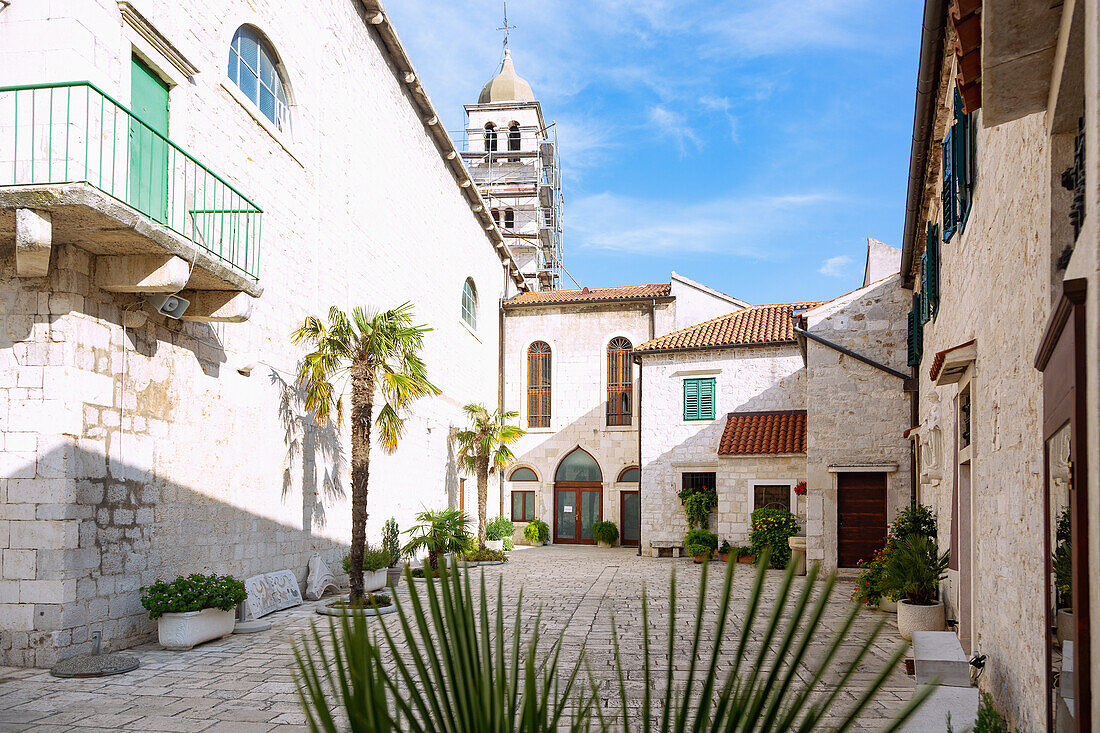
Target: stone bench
<point>939,654</point>
<point>961,703</point>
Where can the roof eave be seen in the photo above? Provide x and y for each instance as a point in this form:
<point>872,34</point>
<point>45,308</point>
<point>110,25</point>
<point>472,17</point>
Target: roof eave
<point>645,352</point>
<point>590,301</point>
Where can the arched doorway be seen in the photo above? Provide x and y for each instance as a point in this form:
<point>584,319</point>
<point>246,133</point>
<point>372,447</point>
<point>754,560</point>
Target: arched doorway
<point>578,498</point>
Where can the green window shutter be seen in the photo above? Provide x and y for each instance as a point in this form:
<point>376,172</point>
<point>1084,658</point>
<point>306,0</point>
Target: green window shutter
<point>706,399</point>
<point>916,333</point>
<point>948,194</point>
<point>963,150</point>
<point>932,250</point>
<point>691,399</point>
<point>910,341</point>
<point>925,305</point>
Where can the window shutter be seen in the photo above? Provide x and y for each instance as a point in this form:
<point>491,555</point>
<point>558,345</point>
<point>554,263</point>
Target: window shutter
<point>691,399</point>
<point>706,399</point>
<point>963,160</point>
<point>925,304</point>
<point>948,195</point>
<point>916,333</point>
<point>932,250</point>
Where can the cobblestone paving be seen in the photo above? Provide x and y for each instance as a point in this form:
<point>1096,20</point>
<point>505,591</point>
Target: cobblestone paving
<point>245,683</point>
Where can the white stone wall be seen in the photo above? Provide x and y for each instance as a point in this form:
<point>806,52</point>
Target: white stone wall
<point>856,414</point>
<point>748,379</point>
<point>696,303</point>
<point>995,289</point>
<point>132,456</point>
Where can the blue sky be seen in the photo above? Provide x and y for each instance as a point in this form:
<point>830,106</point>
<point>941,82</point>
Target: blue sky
<point>750,145</point>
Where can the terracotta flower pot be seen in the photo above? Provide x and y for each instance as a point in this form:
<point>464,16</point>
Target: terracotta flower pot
<point>699,559</point>
<point>724,556</point>
<point>747,559</point>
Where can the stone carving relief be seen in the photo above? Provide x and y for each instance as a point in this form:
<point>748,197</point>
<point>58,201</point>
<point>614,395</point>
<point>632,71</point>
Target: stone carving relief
<point>320,579</point>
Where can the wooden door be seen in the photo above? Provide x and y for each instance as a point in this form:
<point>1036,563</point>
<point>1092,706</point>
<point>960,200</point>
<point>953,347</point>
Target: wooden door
<point>148,185</point>
<point>577,506</point>
<point>630,518</point>
<point>860,516</point>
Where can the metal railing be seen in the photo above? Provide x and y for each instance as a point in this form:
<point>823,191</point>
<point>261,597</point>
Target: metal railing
<point>73,132</point>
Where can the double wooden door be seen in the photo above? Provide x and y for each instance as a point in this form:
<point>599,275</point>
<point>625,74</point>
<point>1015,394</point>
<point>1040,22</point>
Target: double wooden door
<point>860,517</point>
<point>577,506</point>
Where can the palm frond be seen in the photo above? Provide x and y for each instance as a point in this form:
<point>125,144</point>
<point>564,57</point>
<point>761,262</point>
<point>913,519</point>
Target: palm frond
<point>390,427</point>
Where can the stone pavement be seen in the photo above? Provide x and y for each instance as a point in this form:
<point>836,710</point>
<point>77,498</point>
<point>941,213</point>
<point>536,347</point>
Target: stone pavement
<point>245,683</point>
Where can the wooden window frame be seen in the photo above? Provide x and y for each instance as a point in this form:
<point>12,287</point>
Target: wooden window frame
<point>528,503</point>
<point>620,382</point>
<point>539,393</point>
<point>784,486</point>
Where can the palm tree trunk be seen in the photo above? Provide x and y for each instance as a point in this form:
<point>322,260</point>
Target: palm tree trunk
<point>482,497</point>
<point>362,391</point>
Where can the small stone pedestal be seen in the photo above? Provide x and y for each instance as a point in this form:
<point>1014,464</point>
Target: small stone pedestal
<point>798,553</point>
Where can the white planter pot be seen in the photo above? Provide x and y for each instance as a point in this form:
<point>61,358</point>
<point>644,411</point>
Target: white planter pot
<point>374,580</point>
<point>885,604</point>
<point>1065,630</point>
<point>913,617</point>
<point>181,631</point>
<point>497,545</point>
<point>601,543</point>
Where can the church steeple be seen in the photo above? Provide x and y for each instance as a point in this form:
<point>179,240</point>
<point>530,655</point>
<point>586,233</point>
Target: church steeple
<point>507,85</point>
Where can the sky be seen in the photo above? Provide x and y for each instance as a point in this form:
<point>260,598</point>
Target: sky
<point>750,145</point>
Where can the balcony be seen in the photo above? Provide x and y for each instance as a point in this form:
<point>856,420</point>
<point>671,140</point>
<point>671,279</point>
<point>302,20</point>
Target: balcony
<point>78,168</point>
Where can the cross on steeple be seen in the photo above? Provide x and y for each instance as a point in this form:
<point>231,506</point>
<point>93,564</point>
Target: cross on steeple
<point>506,28</point>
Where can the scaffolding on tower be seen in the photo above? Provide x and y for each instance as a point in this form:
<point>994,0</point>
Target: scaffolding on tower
<point>519,176</point>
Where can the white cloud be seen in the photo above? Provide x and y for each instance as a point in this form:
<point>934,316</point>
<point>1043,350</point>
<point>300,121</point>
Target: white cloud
<point>835,266</point>
<point>752,226</point>
<point>674,126</point>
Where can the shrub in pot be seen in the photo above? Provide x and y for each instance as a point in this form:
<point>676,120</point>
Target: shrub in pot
<point>914,569</point>
<point>700,544</point>
<point>537,532</point>
<point>771,529</point>
<point>391,543</point>
<point>193,609</point>
<point>376,562</point>
<point>497,531</point>
<point>725,550</point>
<point>744,555</point>
<point>606,534</point>
<point>1062,564</point>
<point>441,533</point>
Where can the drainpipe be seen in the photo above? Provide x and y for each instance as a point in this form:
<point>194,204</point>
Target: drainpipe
<point>500,387</point>
<point>638,361</point>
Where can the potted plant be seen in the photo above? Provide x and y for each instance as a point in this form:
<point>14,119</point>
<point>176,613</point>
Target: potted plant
<point>914,569</point>
<point>537,532</point>
<point>376,563</point>
<point>700,544</point>
<point>193,609</point>
<point>391,543</point>
<point>441,533</point>
<point>744,555</point>
<point>498,530</point>
<point>483,556</point>
<point>725,550</point>
<point>606,534</point>
<point>1062,565</point>
<point>773,528</point>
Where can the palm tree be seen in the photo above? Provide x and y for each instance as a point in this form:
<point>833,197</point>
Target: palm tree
<point>484,446</point>
<point>380,353</point>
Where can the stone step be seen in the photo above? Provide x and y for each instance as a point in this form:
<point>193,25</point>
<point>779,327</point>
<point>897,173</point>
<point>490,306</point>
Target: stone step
<point>938,654</point>
<point>960,703</point>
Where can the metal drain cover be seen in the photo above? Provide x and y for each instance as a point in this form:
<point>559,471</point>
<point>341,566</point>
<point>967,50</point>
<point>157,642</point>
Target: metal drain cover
<point>95,665</point>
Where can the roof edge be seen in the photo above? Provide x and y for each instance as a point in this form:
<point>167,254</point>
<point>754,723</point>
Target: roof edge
<point>709,290</point>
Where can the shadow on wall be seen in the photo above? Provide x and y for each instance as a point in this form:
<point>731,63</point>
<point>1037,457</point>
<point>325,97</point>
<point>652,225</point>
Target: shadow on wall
<point>307,440</point>
<point>120,529</point>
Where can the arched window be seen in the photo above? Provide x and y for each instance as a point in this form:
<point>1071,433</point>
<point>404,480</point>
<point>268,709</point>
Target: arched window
<point>538,385</point>
<point>631,475</point>
<point>469,303</point>
<point>578,466</point>
<point>254,68</point>
<point>496,216</point>
<point>490,137</point>
<point>620,381</point>
<point>513,140</point>
<point>509,219</point>
<point>523,473</point>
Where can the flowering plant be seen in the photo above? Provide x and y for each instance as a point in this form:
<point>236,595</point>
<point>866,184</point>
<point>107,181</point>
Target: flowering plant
<point>772,527</point>
<point>800,488</point>
<point>193,593</point>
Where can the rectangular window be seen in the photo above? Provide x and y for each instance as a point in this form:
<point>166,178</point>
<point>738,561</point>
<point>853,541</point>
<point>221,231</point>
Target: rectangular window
<point>771,497</point>
<point>699,399</point>
<point>523,506</point>
<point>697,481</point>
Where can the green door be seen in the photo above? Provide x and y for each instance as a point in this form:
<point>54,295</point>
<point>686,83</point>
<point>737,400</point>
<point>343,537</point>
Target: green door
<point>148,185</point>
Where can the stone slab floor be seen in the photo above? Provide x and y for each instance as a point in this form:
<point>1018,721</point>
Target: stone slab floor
<point>245,683</point>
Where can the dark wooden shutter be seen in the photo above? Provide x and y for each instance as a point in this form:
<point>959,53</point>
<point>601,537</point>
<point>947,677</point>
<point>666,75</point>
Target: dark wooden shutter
<point>915,340</point>
<point>948,194</point>
<point>932,250</point>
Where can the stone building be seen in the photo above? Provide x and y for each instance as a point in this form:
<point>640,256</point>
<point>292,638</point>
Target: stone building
<point>137,446</point>
<point>1000,250</point>
<point>568,372</point>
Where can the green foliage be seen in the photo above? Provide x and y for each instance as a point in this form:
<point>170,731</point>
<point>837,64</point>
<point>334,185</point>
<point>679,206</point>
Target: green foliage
<point>450,664</point>
<point>374,559</point>
<point>509,544</point>
<point>770,530</point>
<point>1062,561</point>
<point>725,548</point>
<point>914,569</point>
<point>439,532</point>
<point>744,551</point>
<point>483,447</point>
<point>537,532</point>
<point>391,541</point>
<point>499,528</point>
<point>700,541</point>
<point>698,504</point>
<point>483,555</point>
<point>988,720</point>
<point>871,581</point>
<point>193,593</point>
<point>919,519</point>
<point>370,600</point>
<point>605,532</point>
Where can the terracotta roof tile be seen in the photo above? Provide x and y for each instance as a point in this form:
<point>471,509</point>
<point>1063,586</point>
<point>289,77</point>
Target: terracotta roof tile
<point>626,292</point>
<point>756,433</point>
<point>752,326</point>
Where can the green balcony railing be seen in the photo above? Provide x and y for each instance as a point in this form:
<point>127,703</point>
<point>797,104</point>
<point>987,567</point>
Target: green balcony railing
<point>76,133</point>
